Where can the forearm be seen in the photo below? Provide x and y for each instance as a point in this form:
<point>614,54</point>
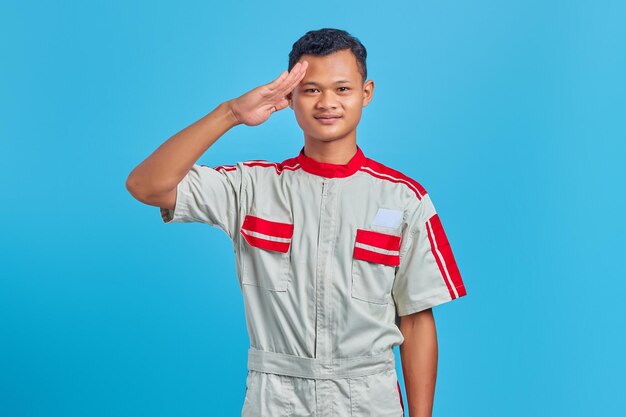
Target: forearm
<point>171,161</point>
<point>419,361</point>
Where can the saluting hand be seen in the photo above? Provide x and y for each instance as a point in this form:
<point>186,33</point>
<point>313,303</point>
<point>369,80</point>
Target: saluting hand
<point>256,106</point>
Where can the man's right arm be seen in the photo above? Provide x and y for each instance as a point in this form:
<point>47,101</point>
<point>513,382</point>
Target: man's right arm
<point>154,181</point>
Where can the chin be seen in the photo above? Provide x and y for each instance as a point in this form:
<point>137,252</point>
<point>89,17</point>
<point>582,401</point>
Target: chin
<point>325,135</point>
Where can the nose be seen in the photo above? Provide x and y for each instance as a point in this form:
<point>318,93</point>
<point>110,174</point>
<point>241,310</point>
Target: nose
<point>326,100</point>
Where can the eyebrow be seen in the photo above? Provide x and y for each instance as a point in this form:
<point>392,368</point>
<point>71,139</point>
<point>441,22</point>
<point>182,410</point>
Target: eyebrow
<point>316,84</point>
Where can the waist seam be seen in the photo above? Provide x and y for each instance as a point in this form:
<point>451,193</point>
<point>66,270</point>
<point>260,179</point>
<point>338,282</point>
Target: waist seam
<point>317,368</point>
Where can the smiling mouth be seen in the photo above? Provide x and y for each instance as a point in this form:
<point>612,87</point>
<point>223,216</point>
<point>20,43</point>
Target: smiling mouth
<point>327,119</point>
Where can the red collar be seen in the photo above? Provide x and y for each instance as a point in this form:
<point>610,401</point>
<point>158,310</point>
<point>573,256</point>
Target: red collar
<point>328,170</point>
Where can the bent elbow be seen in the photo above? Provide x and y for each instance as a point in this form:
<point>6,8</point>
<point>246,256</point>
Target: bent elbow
<point>134,188</point>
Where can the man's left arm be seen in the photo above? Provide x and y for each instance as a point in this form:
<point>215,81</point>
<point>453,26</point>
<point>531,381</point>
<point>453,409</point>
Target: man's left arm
<point>427,276</point>
<point>419,361</point>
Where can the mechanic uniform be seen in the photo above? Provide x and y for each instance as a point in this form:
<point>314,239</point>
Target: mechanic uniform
<point>328,256</point>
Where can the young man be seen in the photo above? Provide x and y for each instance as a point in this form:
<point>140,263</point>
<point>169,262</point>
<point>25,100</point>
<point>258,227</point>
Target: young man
<point>339,257</point>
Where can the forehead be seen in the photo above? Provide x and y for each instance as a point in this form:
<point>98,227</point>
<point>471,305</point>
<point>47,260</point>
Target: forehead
<point>340,65</point>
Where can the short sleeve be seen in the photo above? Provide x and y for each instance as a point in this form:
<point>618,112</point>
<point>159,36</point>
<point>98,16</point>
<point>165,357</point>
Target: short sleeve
<point>428,274</point>
<point>208,195</point>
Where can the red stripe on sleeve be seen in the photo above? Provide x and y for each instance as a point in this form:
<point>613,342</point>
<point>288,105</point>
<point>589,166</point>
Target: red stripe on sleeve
<point>400,395</point>
<point>439,241</point>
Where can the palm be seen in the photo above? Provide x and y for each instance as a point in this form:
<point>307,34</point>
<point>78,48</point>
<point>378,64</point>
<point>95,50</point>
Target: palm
<point>257,105</point>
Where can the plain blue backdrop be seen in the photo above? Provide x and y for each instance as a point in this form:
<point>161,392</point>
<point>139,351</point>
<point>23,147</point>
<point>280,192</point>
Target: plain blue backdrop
<point>511,113</point>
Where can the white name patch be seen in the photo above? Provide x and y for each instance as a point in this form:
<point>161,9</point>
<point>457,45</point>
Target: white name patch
<point>388,218</point>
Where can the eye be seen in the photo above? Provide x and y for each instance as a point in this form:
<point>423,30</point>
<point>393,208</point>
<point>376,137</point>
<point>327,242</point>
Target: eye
<point>310,90</point>
<point>344,89</point>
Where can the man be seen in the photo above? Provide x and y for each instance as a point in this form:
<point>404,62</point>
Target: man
<point>339,257</point>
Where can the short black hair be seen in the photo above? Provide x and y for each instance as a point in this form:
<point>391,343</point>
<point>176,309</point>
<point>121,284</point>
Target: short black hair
<point>326,41</point>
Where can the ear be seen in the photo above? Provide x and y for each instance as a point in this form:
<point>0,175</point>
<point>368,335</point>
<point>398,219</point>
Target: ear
<point>289,97</point>
<point>368,92</point>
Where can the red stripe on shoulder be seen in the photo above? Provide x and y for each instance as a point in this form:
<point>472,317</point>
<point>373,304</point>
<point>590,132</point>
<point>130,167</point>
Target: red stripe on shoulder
<point>225,167</point>
<point>290,164</point>
<point>378,170</point>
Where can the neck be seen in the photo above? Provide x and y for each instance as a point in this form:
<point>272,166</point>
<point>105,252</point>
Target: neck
<point>334,152</point>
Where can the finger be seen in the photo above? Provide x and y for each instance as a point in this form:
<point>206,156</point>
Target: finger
<point>288,83</point>
<point>294,73</point>
<point>297,76</point>
<point>281,104</point>
<point>274,84</point>
<point>289,87</point>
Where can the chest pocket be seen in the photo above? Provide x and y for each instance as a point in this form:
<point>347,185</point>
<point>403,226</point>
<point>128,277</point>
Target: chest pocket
<point>375,258</point>
<point>266,252</point>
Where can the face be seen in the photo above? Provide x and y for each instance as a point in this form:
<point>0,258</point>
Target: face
<point>330,98</point>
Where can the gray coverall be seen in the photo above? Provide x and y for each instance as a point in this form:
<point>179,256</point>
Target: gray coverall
<point>328,257</point>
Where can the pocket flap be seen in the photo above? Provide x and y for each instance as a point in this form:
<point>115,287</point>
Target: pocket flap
<point>267,234</point>
<point>377,247</point>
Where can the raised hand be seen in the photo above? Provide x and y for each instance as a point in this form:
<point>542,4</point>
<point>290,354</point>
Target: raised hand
<point>256,106</point>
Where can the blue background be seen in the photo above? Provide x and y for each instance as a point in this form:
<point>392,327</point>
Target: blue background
<point>511,114</point>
